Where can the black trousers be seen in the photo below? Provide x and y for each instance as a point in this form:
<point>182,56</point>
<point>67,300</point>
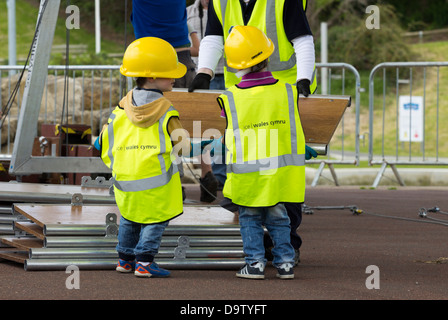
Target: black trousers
<point>295,216</point>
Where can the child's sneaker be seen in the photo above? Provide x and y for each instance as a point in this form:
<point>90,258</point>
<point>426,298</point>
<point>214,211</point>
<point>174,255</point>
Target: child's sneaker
<point>285,271</point>
<point>252,271</point>
<point>125,266</point>
<point>150,270</point>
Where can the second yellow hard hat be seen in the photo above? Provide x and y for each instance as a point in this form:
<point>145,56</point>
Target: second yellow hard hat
<point>247,46</point>
<point>151,57</point>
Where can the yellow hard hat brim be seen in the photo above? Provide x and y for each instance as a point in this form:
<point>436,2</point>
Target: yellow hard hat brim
<point>177,73</point>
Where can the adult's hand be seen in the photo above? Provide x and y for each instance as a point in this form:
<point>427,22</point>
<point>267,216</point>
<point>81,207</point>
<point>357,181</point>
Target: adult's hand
<point>200,81</point>
<point>303,87</point>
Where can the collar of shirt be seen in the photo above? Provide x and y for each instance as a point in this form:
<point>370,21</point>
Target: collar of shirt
<point>256,79</point>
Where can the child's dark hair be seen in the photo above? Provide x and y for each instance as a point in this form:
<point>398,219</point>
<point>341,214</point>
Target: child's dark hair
<point>260,66</point>
<point>140,81</point>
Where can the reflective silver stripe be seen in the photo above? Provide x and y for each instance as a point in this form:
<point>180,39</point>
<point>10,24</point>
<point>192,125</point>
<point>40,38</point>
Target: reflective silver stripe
<point>235,125</point>
<point>151,182</point>
<point>265,164</point>
<point>162,140</point>
<point>147,183</point>
<point>110,135</point>
<point>268,163</point>
<point>292,118</point>
<point>271,31</point>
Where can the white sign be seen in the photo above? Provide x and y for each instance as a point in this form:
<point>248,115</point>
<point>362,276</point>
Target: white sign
<point>411,118</point>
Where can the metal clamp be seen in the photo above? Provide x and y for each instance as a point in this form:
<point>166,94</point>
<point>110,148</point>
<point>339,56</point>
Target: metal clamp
<point>77,199</point>
<point>183,243</point>
<point>111,225</point>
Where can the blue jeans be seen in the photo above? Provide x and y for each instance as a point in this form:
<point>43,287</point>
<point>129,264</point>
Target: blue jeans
<point>218,82</point>
<point>276,221</point>
<point>139,241</point>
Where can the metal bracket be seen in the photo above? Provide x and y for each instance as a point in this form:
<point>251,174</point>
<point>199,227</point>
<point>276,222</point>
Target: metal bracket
<point>180,252</point>
<point>77,199</point>
<point>111,225</point>
<point>99,182</point>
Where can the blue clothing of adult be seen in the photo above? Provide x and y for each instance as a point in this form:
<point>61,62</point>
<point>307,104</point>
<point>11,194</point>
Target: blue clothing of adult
<point>165,19</point>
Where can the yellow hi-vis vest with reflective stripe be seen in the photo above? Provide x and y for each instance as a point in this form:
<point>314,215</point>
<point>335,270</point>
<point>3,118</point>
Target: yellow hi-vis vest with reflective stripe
<point>267,16</point>
<point>266,145</point>
<point>147,184</point>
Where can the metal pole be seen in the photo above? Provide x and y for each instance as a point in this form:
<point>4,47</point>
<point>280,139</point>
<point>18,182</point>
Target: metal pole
<point>108,264</point>
<point>12,50</point>
<point>324,55</point>
<point>97,27</point>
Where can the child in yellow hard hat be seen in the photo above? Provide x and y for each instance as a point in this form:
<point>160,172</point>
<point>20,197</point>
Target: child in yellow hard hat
<point>266,151</point>
<point>137,146</point>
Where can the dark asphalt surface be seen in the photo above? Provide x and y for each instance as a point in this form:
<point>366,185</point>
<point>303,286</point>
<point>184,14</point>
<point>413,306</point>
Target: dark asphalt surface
<point>338,248</point>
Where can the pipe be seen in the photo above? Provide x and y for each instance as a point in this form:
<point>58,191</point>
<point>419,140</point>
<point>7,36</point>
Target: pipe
<point>81,242</point>
<point>6,229</point>
<point>167,241</point>
<point>188,253</point>
<point>104,253</point>
<point>72,253</point>
<point>74,230</point>
<point>110,264</point>
<point>192,230</point>
<point>100,230</point>
<point>6,209</point>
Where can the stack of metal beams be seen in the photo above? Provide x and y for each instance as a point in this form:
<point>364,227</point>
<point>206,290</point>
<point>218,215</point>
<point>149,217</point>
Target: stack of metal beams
<point>52,236</point>
<point>93,247</point>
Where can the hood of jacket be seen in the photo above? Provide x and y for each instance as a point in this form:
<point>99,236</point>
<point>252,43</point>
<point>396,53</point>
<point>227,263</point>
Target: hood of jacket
<point>147,114</point>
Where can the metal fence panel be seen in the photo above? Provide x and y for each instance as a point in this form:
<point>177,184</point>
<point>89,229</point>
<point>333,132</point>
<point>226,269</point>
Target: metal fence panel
<point>398,134</point>
<point>93,91</point>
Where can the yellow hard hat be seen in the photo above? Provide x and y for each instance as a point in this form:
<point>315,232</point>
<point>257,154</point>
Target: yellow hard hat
<point>247,46</point>
<point>151,57</point>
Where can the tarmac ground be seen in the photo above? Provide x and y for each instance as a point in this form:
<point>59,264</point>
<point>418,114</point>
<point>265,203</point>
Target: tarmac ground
<point>384,251</point>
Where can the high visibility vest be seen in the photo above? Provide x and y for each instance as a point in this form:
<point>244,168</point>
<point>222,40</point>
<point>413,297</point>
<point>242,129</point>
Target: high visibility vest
<point>266,145</point>
<point>267,15</point>
<point>147,184</point>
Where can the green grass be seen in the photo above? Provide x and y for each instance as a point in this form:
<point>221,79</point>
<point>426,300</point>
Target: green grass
<point>26,17</point>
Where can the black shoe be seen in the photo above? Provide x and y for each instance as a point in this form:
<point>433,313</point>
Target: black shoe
<point>285,271</point>
<point>209,186</point>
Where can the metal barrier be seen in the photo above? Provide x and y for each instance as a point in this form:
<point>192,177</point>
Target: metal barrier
<point>340,155</point>
<point>410,133</point>
<point>93,91</point>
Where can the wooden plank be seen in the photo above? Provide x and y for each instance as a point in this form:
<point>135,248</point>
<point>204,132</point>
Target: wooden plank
<point>43,214</point>
<point>14,255</point>
<point>200,107</point>
<point>31,228</point>
<point>24,243</point>
<point>320,117</point>
<point>320,114</point>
